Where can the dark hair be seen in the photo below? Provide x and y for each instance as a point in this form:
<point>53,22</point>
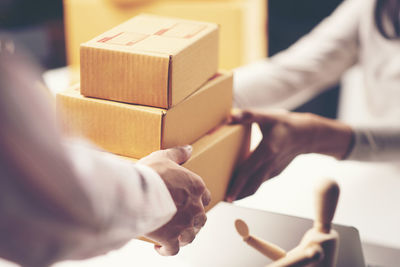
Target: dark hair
<point>387,18</point>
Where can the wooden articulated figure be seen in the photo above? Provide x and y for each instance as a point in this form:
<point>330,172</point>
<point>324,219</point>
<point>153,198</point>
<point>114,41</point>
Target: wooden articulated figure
<point>319,245</point>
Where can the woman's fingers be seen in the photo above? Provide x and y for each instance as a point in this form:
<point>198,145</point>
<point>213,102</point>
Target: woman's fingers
<point>255,181</point>
<point>250,116</point>
<point>246,169</point>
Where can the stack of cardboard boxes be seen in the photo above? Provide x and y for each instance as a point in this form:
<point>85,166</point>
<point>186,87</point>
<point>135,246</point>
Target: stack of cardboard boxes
<point>153,83</point>
<point>242,35</point>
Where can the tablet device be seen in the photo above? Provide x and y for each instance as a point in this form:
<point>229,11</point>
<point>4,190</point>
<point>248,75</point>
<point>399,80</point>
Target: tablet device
<point>218,244</point>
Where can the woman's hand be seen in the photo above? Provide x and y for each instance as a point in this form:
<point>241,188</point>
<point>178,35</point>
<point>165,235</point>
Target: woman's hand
<point>285,136</point>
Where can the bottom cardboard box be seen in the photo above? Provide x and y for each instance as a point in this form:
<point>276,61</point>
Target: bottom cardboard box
<point>134,130</point>
<point>215,156</point>
<point>214,159</point>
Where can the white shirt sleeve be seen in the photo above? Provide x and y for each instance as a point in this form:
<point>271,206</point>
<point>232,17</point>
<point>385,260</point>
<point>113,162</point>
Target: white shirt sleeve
<point>126,199</point>
<point>63,200</point>
<point>315,62</point>
<point>312,64</point>
<point>376,144</point>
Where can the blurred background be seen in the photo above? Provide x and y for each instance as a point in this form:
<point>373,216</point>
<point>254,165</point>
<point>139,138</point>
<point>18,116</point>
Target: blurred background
<point>38,26</point>
<point>250,29</point>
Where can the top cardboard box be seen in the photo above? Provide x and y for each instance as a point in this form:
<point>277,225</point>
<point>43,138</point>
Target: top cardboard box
<point>150,60</point>
<point>242,34</point>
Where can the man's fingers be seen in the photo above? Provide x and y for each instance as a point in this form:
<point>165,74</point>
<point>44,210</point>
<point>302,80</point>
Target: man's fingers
<point>187,236</point>
<point>179,154</point>
<point>206,197</point>
<point>199,221</point>
<point>169,248</point>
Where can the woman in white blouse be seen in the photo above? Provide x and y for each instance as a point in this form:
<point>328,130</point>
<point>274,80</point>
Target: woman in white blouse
<point>359,32</point>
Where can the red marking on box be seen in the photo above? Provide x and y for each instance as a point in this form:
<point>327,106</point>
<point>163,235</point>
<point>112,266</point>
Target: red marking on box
<point>161,32</point>
<point>179,30</point>
<point>106,39</point>
<point>195,33</point>
<point>124,38</point>
<point>182,30</point>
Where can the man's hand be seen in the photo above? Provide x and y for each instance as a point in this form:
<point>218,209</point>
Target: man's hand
<point>285,136</point>
<point>189,194</point>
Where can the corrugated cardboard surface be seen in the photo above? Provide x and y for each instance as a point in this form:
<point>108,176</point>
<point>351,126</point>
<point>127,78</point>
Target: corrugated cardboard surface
<point>243,23</point>
<point>150,60</point>
<point>135,131</point>
<point>215,156</point>
<point>200,112</point>
<point>115,75</point>
<point>119,128</point>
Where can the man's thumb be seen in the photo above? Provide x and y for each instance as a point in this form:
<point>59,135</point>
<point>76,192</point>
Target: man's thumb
<point>179,154</point>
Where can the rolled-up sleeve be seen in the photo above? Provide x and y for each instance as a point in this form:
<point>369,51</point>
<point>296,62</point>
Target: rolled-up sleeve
<point>126,199</point>
<point>64,199</point>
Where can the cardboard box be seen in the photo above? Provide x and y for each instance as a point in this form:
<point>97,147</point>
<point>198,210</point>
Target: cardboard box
<point>242,24</point>
<point>150,60</point>
<point>243,37</point>
<point>135,131</point>
<point>215,156</point>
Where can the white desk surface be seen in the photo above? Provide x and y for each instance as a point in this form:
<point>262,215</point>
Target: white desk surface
<point>369,201</point>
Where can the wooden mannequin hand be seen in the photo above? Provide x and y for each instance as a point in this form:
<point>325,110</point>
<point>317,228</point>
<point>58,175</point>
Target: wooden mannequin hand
<point>285,136</point>
<point>189,194</point>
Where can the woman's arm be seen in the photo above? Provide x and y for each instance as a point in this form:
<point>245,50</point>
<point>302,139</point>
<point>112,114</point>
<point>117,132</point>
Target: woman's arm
<point>285,136</point>
<point>315,62</point>
<point>288,134</point>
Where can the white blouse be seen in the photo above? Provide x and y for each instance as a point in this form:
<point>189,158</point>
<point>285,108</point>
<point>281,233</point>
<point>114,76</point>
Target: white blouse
<point>318,60</point>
